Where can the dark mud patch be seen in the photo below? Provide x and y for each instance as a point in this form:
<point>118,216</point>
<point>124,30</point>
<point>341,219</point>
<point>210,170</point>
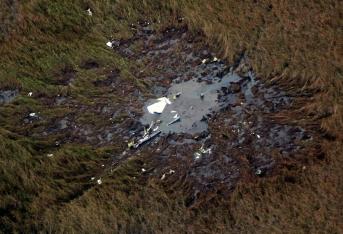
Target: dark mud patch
<point>90,64</point>
<point>226,129</point>
<point>6,96</point>
<point>65,76</point>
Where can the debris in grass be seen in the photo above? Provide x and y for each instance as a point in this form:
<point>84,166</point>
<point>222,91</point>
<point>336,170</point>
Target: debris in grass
<point>169,173</point>
<point>89,12</point>
<point>204,61</point>
<point>109,44</point>
<point>99,181</point>
<point>30,94</point>
<point>33,115</point>
<point>202,151</point>
<point>143,170</point>
<point>50,155</point>
<point>158,107</point>
<point>258,172</point>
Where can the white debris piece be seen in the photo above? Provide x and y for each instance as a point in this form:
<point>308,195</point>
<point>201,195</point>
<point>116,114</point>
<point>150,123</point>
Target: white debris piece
<point>33,114</point>
<point>173,111</point>
<point>93,178</point>
<point>258,136</point>
<point>215,59</point>
<point>163,176</point>
<point>158,107</point>
<point>99,181</point>
<point>109,44</point>
<point>49,155</point>
<point>143,170</point>
<point>30,94</point>
<point>102,165</point>
<point>204,61</point>
<point>89,12</point>
<point>176,116</point>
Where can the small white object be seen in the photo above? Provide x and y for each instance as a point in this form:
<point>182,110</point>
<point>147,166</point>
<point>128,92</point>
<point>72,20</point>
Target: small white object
<point>93,178</point>
<point>258,136</point>
<point>215,59</point>
<point>163,177</point>
<point>102,165</point>
<point>155,129</point>
<point>176,116</point>
<point>258,172</point>
<point>109,44</point>
<point>32,114</point>
<point>30,94</point>
<point>143,170</point>
<point>171,171</point>
<point>99,181</point>
<point>89,12</point>
<point>49,155</point>
<point>158,107</point>
<point>204,61</point>
<point>173,112</point>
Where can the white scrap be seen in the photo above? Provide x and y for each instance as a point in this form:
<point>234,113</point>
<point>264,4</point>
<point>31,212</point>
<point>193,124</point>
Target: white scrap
<point>89,12</point>
<point>143,170</point>
<point>99,181</point>
<point>163,176</point>
<point>49,155</point>
<point>158,107</point>
<point>176,116</point>
<point>32,114</point>
<point>173,111</point>
<point>30,94</point>
<point>109,44</point>
<point>204,61</point>
<point>93,178</point>
<point>258,136</point>
<point>215,59</point>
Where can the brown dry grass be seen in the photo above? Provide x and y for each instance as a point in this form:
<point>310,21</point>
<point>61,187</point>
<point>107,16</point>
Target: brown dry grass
<point>296,44</point>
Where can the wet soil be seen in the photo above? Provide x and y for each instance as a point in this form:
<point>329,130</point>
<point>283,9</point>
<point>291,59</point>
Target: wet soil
<point>226,131</point>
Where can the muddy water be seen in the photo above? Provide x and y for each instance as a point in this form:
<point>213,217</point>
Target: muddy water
<point>198,99</point>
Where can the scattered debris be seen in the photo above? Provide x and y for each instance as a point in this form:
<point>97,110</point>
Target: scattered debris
<point>33,115</point>
<point>131,144</point>
<point>168,173</point>
<point>158,107</point>
<point>176,118</point>
<point>202,151</point>
<point>89,12</point>
<point>109,44</point>
<point>146,139</point>
<point>258,172</point>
